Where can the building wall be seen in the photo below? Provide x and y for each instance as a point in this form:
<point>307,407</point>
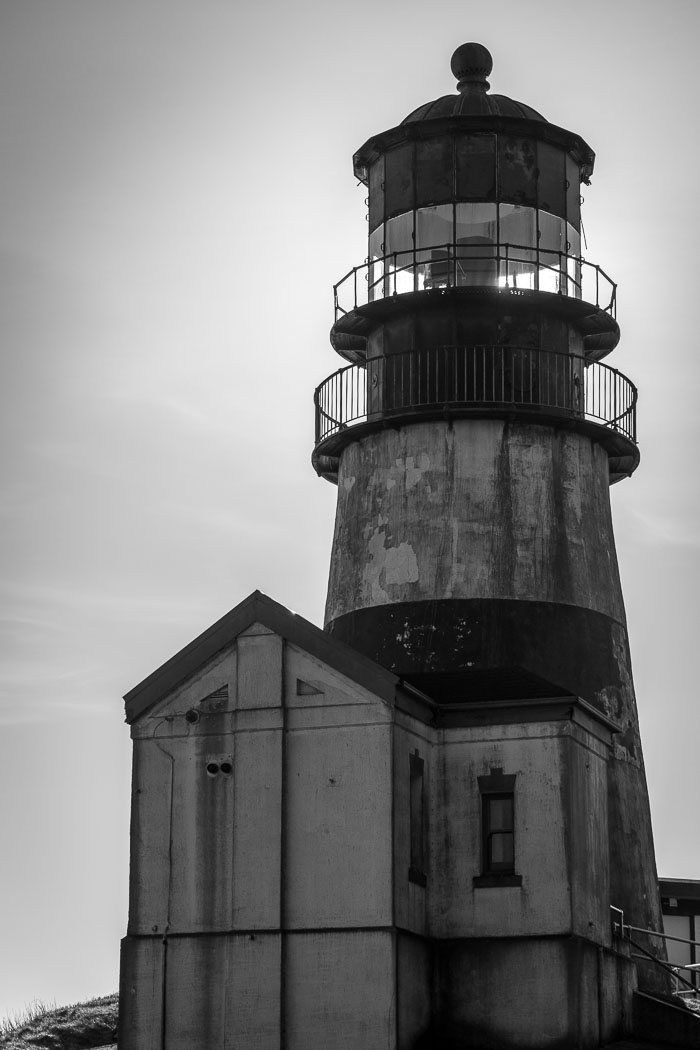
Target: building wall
<point>277,898</point>
<point>680,903</point>
<point>542,904</point>
<point>261,897</point>
<point>504,965</point>
<point>412,737</point>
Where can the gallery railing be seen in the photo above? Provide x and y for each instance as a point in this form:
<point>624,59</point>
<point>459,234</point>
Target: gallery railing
<point>510,267</point>
<point>464,379</point>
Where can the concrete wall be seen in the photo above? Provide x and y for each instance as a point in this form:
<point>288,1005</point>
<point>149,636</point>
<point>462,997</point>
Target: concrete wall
<point>475,545</point>
<point>586,759</point>
<point>261,894</point>
<point>542,904</point>
<point>277,897</point>
<point>525,993</point>
<point>415,978</point>
<point>502,965</point>
<point>474,509</point>
<point>411,898</point>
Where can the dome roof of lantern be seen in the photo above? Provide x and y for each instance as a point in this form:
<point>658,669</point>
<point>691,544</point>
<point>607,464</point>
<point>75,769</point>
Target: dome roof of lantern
<point>471,65</point>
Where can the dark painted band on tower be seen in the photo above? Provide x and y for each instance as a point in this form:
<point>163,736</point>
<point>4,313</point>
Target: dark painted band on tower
<point>484,648</point>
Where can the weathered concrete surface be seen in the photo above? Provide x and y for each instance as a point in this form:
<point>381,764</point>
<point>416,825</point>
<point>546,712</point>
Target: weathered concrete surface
<point>486,544</point>
<point>668,1022</point>
<point>474,509</point>
<point>275,892</point>
<point>261,805</point>
<point>524,994</point>
<point>339,990</point>
<point>415,965</point>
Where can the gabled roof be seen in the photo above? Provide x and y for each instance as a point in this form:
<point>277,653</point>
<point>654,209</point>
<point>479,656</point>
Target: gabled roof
<point>258,608</point>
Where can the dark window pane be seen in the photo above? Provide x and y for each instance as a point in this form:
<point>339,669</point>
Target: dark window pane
<point>417,811</point>
<point>434,172</point>
<point>517,167</point>
<point>376,193</point>
<point>551,180</point>
<point>398,180</point>
<point>501,814</point>
<point>502,848</point>
<point>476,167</point>
<point>573,193</point>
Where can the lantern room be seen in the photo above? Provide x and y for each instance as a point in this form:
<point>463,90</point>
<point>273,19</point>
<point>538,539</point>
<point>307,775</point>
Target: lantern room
<point>474,297</point>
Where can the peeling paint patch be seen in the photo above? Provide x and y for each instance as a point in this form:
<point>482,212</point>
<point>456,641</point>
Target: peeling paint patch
<point>348,483</point>
<point>388,566</point>
<point>372,571</point>
<point>416,469</point>
<point>401,565</point>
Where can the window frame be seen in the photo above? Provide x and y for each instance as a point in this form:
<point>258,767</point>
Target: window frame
<point>496,786</point>
<point>416,817</point>
<point>489,866</point>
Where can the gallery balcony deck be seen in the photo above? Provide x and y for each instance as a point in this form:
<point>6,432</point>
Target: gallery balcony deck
<point>511,382</point>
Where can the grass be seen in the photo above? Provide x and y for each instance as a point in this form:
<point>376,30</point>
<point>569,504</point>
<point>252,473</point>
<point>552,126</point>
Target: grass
<point>80,1027</point>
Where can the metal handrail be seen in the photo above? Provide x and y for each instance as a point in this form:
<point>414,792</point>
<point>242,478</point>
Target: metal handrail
<point>512,267</point>
<point>467,377</point>
<point>622,929</point>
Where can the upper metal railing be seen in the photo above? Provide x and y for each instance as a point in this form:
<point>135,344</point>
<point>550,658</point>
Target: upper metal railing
<point>473,378</point>
<point>506,266</point>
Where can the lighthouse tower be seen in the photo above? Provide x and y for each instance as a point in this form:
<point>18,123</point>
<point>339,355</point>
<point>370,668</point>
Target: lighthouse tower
<point>474,436</point>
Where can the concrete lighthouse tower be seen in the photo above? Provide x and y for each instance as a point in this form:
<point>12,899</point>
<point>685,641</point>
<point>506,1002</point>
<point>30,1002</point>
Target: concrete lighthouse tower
<point>475,434</point>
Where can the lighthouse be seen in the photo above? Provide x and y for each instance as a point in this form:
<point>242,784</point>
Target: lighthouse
<point>406,830</point>
<point>477,429</point>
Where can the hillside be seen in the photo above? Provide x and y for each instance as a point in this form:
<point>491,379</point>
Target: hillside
<point>84,1026</point>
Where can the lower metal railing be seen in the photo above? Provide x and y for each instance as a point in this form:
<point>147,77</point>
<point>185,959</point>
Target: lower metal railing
<point>473,377</point>
<point>685,987</point>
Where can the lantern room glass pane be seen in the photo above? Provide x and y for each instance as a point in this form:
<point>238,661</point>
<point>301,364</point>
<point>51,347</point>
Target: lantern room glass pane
<point>376,265</point>
<point>434,226</point>
<point>399,234</point>
<point>552,255</point>
<point>517,225</point>
<point>517,235</point>
<point>376,243</point>
<point>398,247</point>
<point>573,267</point>
<point>434,243</point>
<point>476,238</point>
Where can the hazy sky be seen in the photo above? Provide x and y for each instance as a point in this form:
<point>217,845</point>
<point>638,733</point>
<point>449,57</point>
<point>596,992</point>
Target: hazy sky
<point>177,202</point>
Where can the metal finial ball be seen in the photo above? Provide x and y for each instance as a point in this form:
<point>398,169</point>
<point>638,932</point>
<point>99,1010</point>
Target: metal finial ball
<point>471,62</point>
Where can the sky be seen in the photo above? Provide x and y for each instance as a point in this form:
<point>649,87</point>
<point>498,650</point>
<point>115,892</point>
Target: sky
<point>177,201</point>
